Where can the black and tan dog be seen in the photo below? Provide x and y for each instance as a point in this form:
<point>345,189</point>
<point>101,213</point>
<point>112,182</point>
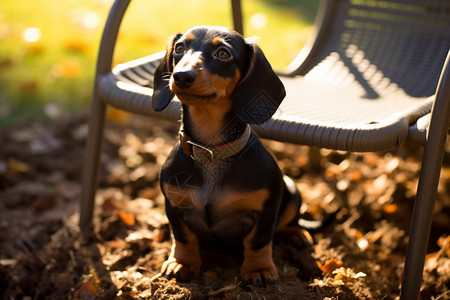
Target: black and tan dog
<point>223,189</point>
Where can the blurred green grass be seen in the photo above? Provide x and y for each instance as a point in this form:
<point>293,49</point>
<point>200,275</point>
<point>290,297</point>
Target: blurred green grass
<point>48,48</point>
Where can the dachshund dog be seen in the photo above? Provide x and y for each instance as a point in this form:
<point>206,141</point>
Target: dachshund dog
<point>222,188</point>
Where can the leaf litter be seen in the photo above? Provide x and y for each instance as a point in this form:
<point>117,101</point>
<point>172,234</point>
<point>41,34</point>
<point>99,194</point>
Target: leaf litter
<point>43,255</point>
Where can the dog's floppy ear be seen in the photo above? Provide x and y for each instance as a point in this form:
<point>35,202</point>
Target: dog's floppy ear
<point>260,91</point>
<point>161,92</point>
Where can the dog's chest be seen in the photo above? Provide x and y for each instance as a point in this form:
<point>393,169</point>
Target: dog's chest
<point>212,188</point>
<point>199,187</point>
<point>211,207</point>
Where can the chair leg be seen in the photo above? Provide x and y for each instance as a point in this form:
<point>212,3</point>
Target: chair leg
<point>422,216</point>
<point>427,190</point>
<point>91,162</point>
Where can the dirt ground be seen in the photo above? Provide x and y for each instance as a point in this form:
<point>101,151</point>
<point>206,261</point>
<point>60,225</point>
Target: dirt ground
<point>43,255</point>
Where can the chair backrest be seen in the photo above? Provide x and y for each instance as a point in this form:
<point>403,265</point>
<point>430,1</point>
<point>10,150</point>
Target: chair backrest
<point>407,40</point>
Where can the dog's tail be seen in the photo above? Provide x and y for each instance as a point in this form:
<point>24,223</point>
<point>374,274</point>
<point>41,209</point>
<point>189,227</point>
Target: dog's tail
<point>293,194</point>
<point>318,225</point>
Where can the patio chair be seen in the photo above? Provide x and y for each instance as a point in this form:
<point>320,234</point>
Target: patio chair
<point>376,74</point>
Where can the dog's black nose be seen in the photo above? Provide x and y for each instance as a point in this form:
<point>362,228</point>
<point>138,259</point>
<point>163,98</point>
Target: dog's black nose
<point>184,79</point>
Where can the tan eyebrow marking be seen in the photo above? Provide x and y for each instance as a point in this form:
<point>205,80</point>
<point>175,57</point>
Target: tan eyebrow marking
<point>190,36</point>
<point>218,40</point>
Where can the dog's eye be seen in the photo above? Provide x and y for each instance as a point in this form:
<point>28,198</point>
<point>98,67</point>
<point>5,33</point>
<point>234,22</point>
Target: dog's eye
<point>223,54</point>
<point>179,48</point>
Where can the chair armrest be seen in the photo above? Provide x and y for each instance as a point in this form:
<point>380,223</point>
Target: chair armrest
<point>418,131</point>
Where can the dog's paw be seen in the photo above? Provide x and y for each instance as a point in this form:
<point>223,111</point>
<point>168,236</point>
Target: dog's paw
<point>259,275</point>
<point>181,271</point>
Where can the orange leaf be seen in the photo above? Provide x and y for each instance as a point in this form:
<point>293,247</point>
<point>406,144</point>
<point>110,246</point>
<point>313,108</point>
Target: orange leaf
<point>371,159</point>
<point>127,218</point>
<point>117,115</point>
<point>444,243</point>
<point>17,166</point>
<point>390,208</point>
<point>68,68</point>
<point>77,46</point>
<point>331,265</point>
<point>89,288</point>
<point>116,243</point>
<point>355,175</point>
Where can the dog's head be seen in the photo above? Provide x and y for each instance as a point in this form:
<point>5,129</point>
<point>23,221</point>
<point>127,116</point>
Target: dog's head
<point>214,64</point>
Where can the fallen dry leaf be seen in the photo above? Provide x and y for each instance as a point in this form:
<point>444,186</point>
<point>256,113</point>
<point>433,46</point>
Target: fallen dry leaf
<point>346,274</point>
<point>117,243</point>
<point>444,243</point>
<point>110,205</point>
<point>89,288</point>
<point>223,290</point>
<point>330,265</point>
<point>390,208</point>
<point>18,166</point>
<point>355,175</point>
<point>126,218</point>
<point>45,202</point>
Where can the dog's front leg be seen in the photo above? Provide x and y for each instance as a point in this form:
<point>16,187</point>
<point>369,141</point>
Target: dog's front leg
<point>184,261</point>
<point>258,267</point>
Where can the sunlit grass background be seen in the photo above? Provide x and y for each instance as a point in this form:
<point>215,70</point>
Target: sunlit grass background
<point>48,48</point>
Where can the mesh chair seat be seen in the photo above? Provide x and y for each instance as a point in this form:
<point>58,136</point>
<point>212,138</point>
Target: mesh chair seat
<point>342,114</point>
